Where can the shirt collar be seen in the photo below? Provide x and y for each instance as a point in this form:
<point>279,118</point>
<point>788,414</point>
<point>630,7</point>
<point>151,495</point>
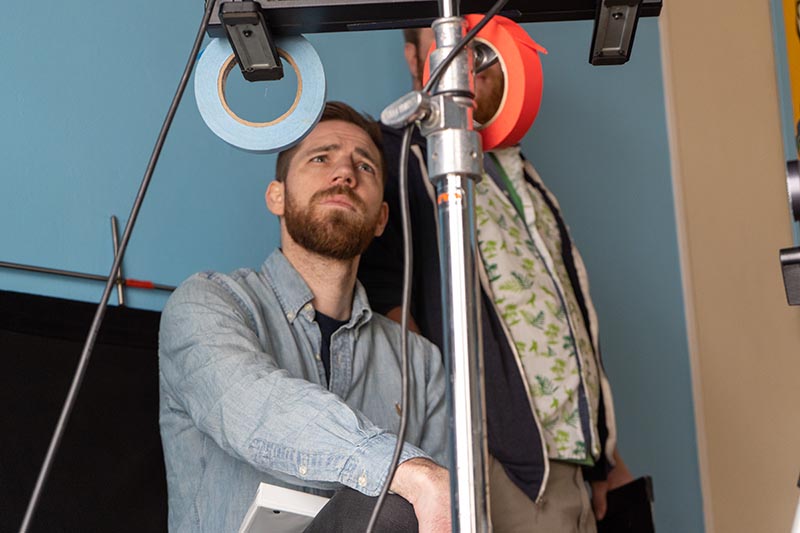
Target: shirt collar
<point>361,310</point>
<point>295,296</point>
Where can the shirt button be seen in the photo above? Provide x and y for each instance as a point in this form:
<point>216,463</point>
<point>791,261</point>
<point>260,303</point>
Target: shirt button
<point>317,357</point>
<point>290,315</point>
<point>302,470</point>
<point>362,481</point>
<point>308,308</point>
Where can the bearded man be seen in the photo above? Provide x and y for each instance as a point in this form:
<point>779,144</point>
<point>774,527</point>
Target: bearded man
<point>284,375</point>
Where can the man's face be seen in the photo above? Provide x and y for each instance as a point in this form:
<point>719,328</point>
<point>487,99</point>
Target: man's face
<point>331,199</point>
<point>489,84</point>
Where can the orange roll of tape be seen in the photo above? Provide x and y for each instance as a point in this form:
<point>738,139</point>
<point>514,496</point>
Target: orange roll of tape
<point>522,92</point>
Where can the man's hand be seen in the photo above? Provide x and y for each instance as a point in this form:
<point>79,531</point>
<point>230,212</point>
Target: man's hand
<point>617,476</point>
<point>426,486</point>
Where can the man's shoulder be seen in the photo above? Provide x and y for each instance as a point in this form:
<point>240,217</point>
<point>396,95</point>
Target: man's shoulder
<point>214,302</point>
<point>206,287</point>
<point>418,345</point>
<point>209,278</point>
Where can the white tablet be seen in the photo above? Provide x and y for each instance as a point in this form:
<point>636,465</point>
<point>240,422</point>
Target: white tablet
<point>280,510</point>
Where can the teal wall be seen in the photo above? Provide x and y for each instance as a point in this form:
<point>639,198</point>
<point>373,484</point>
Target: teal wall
<point>784,85</point>
<point>83,94</point>
<point>600,142</point>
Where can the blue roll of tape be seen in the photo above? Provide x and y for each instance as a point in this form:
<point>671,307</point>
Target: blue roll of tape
<point>213,68</point>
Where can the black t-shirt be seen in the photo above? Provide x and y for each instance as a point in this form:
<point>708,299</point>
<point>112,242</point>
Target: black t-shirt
<point>327,327</point>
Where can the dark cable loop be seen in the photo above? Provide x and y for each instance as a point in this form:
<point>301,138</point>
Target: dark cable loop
<point>112,277</point>
<point>407,271</point>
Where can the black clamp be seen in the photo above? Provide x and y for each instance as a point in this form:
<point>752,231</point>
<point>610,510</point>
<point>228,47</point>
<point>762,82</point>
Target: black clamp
<point>248,33</point>
<point>614,28</point>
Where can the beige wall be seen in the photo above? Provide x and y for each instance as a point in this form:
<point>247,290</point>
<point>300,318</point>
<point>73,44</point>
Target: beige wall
<point>728,170</point>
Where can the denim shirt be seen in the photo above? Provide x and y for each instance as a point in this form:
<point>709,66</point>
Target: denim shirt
<point>244,398</point>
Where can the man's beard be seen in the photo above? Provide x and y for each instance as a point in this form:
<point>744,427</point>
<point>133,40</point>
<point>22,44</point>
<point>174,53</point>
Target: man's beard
<point>491,94</point>
<point>337,233</point>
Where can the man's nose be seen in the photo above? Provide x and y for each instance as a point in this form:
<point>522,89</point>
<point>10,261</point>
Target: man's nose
<point>345,174</point>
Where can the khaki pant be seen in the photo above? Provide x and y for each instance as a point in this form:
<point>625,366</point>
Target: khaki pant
<point>565,506</point>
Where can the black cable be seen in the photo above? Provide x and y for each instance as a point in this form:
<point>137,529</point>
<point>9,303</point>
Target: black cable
<point>101,308</point>
<point>408,258</point>
<point>440,68</point>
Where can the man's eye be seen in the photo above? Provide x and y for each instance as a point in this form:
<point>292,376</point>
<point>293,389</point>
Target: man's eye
<point>318,159</point>
<point>367,168</point>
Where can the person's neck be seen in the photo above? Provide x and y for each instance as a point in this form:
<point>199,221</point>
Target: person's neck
<point>331,280</point>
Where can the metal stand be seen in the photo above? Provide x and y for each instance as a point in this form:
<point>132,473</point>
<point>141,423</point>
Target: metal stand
<point>454,162</point>
<point>115,241</point>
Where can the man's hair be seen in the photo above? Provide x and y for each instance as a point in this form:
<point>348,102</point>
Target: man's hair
<point>411,35</point>
<point>343,112</point>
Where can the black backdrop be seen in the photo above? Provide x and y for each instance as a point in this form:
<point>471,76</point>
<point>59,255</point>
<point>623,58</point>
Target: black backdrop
<point>109,472</point>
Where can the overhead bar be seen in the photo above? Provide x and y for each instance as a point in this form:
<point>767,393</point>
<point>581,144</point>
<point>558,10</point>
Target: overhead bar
<point>320,16</point>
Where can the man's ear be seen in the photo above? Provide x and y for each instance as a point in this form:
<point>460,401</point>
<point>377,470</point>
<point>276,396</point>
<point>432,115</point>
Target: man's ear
<point>275,197</point>
<point>412,59</point>
<point>383,218</point>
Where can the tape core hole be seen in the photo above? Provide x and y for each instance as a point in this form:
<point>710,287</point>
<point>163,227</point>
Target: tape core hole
<point>266,103</point>
<point>504,70</point>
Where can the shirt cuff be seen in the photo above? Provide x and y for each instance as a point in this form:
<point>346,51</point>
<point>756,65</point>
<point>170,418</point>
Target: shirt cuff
<point>367,468</point>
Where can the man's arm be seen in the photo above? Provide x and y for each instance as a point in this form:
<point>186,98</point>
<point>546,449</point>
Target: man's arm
<point>422,482</point>
<point>426,486</point>
<point>213,366</point>
<point>618,475</point>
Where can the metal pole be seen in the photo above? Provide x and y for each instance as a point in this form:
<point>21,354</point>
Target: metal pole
<point>115,241</point>
<point>454,161</point>
<point>448,8</point>
<point>135,283</point>
<point>462,349</point>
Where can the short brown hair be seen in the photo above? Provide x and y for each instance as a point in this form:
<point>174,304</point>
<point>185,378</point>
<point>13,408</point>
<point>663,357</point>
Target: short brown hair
<point>411,35</point>
<point>343,112</point>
